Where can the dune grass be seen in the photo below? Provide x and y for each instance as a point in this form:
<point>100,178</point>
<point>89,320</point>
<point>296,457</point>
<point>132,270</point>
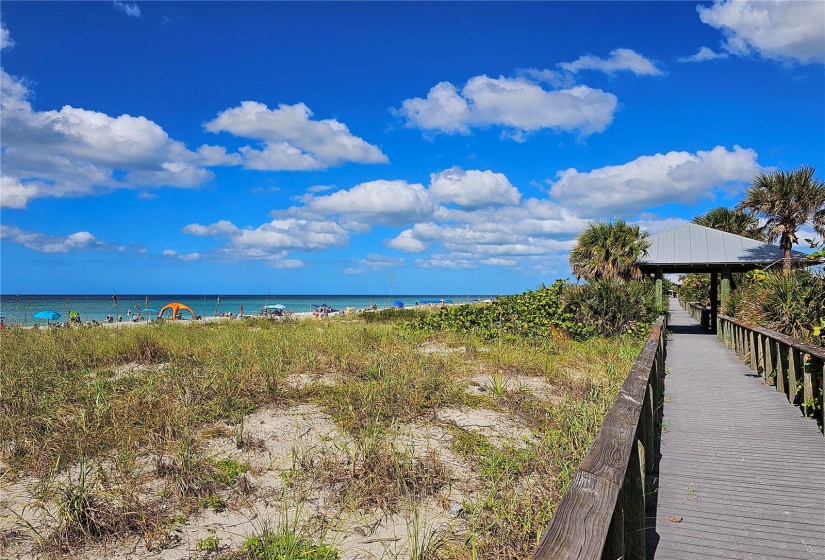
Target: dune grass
<point>124,402</point>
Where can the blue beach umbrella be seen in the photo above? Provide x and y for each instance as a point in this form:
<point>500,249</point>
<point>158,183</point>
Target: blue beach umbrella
<point>278,306</point>
<point>48,315</point>
<point>146,312</point>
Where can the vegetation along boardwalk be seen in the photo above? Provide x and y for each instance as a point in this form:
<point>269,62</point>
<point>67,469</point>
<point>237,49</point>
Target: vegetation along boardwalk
<point>741,473</point>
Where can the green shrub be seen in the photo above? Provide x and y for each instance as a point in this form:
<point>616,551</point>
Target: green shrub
<point>792,304</point>
<point>603,307</point>
<point>696,287</point>
<point>287,544</point>
<point>389,315</point>
<point>533,315</point>
<point>209,543</point>
<point>227,471</point>
<point>610,307</point>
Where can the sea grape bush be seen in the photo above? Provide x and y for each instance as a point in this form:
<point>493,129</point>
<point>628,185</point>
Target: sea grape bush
<point>578,311</point>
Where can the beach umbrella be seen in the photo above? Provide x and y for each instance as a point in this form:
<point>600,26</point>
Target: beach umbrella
<point>48,315</point>
<point>278,306</point>
<point>146,312</point>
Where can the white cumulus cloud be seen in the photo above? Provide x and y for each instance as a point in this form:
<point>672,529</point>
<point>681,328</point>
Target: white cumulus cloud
<point>406,241</point>
<point>6,42</point>
<point>517,104</point>
<point>40,242</point>
<point>286,264</point>
<point>15,193</point>
<point>509,234</point>
<point>292,139</point>
<point>704,54</point>
<point>776,29</point>
<point>473,188</point>
<point>651,180</point>
<point>275,236</point>
<point>444,263</point>
<point>374,261</point>
<point>131,10</point>
<point>76,152</point>
<point>218,229</point>
<point>619,60</point>
<point>376,202</point>
<point>181,256</point>
<point>496,261</point>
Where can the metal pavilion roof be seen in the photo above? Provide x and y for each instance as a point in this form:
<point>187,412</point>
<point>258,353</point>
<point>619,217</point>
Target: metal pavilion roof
<point>693,248</point>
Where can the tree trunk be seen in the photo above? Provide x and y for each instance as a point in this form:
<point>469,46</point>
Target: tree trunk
<point>786,244</point>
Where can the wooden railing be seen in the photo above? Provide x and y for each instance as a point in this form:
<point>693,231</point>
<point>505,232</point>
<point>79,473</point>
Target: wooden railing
<point>602,513</point>
<point>698,311</point>
<point>794,367</point>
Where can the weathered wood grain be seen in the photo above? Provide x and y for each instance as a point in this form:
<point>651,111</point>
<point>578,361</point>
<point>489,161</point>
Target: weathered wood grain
<point>753,349</point>
<point>781,367</point>
<point>602,514</point>
<point>579,527</point>
<point>794,375</point>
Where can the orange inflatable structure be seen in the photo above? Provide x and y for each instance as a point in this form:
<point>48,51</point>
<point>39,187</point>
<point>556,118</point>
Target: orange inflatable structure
<point>176,308</point>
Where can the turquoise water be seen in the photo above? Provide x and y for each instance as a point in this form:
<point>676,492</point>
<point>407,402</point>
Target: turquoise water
<point>21,308</point>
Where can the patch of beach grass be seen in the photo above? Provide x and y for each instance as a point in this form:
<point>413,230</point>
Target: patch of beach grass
<point>143,401</point>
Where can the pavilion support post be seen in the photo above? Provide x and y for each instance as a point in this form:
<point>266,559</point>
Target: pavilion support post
<point>659,286</point>
<point>726,286</point>
<point>714,303</point>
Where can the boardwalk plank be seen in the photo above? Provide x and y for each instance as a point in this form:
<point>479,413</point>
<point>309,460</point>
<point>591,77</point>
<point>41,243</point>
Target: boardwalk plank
<point>741,468</point>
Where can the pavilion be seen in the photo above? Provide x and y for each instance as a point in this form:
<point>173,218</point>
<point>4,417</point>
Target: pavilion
<point>691,248</point>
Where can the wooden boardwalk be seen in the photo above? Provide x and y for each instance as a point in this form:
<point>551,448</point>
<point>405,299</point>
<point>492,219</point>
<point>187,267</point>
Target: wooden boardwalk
<point>741,474</point>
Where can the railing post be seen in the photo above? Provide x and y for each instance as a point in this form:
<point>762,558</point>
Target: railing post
<point>633,504</point>
<point>792,365</point>
<point>602,513</point>
<point>794,374</point>
<point>807,384</point>
<point>738,335</point>
<point>754,354</point>
<point>769,361</point>
<point>734,335</point>
<point>649,415</point>
<point>614,544</point>
<point>781,367</point>
<point>760,362</point>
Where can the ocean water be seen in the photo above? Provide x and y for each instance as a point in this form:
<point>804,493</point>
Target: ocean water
<point>20,309</point>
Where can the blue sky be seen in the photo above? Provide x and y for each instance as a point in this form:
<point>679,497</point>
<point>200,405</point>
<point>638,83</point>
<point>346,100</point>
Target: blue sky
<point>227,147</point>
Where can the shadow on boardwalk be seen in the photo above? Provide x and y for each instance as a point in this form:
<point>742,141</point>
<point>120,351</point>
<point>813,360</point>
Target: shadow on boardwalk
<point>739,472</point>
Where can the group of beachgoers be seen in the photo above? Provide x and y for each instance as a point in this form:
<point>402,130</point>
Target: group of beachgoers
<point>135,316</point>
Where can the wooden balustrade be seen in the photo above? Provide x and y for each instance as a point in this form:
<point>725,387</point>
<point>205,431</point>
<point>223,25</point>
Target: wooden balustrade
<point>602,513</point>
<point>796,368</point>
<point>698,311</point>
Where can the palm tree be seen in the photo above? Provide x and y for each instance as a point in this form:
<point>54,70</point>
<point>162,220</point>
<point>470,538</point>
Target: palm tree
<point>607,250</point>
<point>732,221</point>
<point>787,200</point>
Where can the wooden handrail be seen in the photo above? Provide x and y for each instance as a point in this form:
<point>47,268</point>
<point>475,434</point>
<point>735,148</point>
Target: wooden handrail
<point>813,350</point>
<point>796,368</point>
<point>698,311</point>
<point>602,513</point>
